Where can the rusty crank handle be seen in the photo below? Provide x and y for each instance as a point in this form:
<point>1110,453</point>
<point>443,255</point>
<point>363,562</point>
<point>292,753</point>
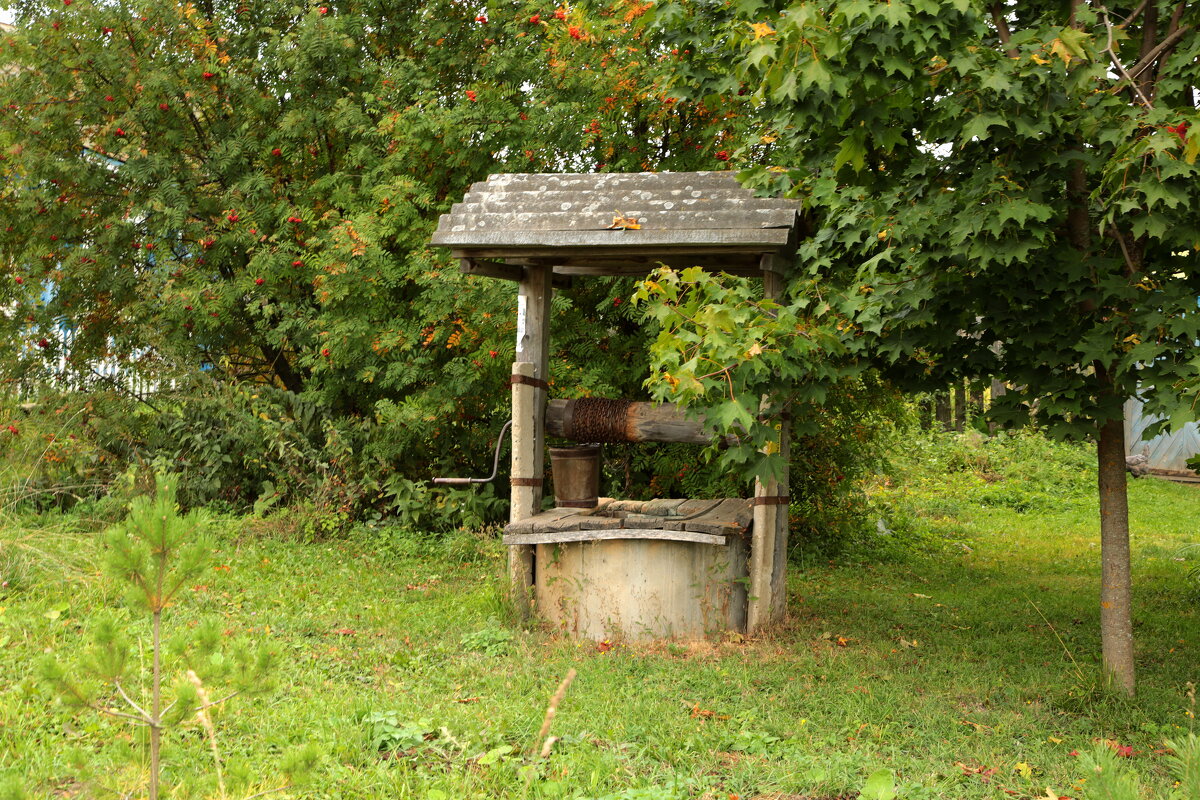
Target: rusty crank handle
<point>495,466</point>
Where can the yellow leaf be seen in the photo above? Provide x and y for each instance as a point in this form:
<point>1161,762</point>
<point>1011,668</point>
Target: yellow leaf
<point>1039,60</point>
<point>1060,49</point>
<point>768,139</point>
<point>1054,740</point>
<point>761,29</point>
<point>1023,769</point>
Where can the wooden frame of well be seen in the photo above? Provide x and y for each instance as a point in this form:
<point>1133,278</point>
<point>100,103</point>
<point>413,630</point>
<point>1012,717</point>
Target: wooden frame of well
<point>681,568</point>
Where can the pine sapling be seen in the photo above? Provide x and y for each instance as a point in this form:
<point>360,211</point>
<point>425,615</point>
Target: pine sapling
<point>155,554</point>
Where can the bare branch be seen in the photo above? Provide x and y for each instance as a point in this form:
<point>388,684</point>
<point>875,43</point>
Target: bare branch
<point>1116,234</point>
<point>229,696</point>
<point>1153,55</point>
<point>1141,7</point>
<point>1002,29</point>
<point>119,714</point>
<point>129,700</point>
<point>1112,55</point>
<point>1176,16</point>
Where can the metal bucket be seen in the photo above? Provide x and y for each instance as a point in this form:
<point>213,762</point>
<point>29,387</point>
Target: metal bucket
<point>576,472</point>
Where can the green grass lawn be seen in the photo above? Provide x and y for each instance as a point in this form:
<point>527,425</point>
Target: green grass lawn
<point>968,669</point>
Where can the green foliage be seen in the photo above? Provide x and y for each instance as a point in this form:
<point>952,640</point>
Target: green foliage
<point>979,204</point>
<point>50,454</point>
<point>490,641</point>
<point>155,556</point>
<point>390,731</point>
<point>1185,763</point>
<point>628,725</point>
<point>269,226</point>
<point>719,345</point>
<point>1107,778</point>
<point>880,785</point>
<point>1020,470</point>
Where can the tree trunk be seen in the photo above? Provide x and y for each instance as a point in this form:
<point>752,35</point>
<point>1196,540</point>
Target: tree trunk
<point>288,376</point>
<point>942,410</point>
<point>1116,618</point>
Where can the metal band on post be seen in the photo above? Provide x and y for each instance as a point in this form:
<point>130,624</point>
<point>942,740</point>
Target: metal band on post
<point>525,481</point>
<point>525,380</point>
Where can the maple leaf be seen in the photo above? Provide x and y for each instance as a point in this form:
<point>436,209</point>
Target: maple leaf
<point>1060,49</point>
<point>761,30</point>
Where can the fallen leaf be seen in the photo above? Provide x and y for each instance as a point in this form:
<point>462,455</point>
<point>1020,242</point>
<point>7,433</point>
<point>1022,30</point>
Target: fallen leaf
<point>622,223</point>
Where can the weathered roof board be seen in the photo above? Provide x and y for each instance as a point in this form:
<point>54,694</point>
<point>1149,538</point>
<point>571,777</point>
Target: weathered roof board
<point>570,219</point>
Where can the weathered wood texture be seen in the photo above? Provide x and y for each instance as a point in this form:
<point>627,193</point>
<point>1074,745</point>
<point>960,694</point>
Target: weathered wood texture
<point>618,533</point>
<point>599,420</point>
<point>612,518</point>
<point>509,272</point>
<point>528,432</point>
<point>768,544</point>
<point>598,215</point>
<point>647,237</point>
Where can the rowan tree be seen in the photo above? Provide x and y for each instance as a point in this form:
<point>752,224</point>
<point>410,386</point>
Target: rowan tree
<point>249,188</point>
<point>997,189</point>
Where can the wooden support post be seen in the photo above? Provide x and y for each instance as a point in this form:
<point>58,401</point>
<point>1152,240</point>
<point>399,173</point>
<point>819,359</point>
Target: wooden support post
<point>768,543</point>
<point>960,406</point>
<point>530,373</point>
<point>998,389</point>
<point>782,527</point>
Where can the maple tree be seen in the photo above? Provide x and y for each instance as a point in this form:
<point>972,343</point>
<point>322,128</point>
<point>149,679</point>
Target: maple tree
<point>997,189</point>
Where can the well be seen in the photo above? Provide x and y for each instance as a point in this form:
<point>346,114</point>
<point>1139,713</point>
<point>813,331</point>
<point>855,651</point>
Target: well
<point>625,569</point>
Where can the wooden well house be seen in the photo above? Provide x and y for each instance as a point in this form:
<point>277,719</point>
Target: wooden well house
<point>619,568</point>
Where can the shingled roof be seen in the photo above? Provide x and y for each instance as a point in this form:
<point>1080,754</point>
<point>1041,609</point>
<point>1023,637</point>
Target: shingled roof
<point>607,224</point>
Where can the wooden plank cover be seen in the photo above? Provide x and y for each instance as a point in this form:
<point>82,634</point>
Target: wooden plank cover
<point>620,533</point>
<point>678,520</point>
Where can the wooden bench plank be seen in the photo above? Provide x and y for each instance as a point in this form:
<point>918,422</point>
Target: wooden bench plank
<point>513,539</point>
<point>722,519</point>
